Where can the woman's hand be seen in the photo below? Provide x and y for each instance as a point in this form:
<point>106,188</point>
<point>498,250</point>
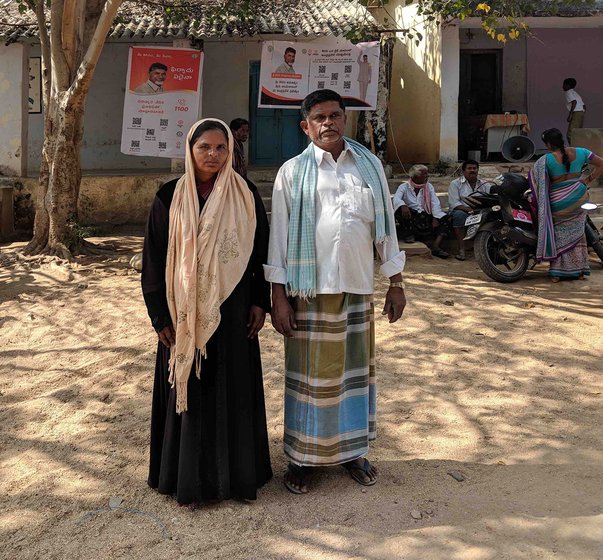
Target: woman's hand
<point>167,336</point>
<point>257,316</point>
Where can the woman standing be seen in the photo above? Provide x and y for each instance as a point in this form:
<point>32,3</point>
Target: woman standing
<point>558,192</point>
<point>204,288</point>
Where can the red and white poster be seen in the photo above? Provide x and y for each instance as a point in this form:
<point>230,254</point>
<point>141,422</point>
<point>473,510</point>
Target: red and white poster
<point>163,89</point>
<point>289,71</point>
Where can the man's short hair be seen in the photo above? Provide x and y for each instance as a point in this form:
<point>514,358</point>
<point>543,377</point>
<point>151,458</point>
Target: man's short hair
<point>416,170</point>
<point>235,124</point>
<point>157,66</point>
<point>470,162</point>
<point>571,82</point>
<point>319,96</point>
<point>290,49</point>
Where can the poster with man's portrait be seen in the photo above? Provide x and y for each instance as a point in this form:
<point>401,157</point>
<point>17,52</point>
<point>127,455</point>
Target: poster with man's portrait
<point>289,71</point>
<point>163,89</point>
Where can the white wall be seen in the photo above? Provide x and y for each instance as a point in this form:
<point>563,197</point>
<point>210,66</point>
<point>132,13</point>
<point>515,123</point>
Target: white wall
<point>414,108</point>
<point>14,83</point>
<point>449,99</point>
<point>226,78</point>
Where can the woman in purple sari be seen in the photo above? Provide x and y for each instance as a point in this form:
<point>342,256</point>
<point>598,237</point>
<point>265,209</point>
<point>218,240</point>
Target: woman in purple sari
<point>558,191</point>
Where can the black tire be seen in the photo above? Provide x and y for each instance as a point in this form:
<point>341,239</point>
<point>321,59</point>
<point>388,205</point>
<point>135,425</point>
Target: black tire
<point>598,249</point>
<point>489,255</point>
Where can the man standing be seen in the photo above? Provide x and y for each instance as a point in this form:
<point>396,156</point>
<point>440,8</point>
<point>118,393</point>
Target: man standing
<point>364,74</point>
<point>289,59</point>
<point>468,184</point>
<point>157,77</point>
<point>330,207</point>
<point>240,133</point>
<point>575,106</point>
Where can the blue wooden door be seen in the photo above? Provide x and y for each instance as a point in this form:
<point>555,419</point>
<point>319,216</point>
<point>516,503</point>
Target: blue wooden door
<point>275,133</point>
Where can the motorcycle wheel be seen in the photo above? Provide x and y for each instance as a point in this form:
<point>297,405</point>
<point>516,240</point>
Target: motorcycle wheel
<point>498,260</point>
<point>598,249</point>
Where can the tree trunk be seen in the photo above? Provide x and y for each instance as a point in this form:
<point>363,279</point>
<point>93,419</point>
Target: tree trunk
<point>70,49</point>
<point>55,226</point>
<point>64,180</point>
<point>39,240</point>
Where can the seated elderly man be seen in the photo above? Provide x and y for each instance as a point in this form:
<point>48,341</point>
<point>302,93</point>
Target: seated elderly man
<point>469,183</point>
<point>418,211</point>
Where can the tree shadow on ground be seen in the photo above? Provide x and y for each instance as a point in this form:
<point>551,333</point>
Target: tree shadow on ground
<point>493,406</point>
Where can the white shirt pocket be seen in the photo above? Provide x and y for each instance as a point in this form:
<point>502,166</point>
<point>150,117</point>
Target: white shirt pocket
<point>363,206</point>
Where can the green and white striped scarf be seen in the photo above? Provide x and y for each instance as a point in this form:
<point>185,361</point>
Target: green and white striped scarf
<point>301,249</point>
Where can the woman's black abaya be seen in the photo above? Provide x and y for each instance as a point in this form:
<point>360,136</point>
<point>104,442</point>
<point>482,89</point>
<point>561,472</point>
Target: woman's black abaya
<point>218,449</point>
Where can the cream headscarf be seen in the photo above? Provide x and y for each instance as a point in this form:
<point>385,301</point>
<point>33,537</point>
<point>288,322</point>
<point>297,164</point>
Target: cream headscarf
<point>206,258</point>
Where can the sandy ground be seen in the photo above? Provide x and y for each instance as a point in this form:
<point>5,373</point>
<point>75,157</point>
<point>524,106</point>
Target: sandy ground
<point>499,382</point>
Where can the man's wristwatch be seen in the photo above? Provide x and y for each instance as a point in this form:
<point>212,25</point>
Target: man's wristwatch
<point>397,284</point>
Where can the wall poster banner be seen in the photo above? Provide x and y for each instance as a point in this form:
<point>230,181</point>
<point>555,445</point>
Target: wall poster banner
<point>163,88</point>
<point>289,71</point>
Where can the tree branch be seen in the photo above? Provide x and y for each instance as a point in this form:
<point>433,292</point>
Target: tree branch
<point>60,68</point>
<point>86,69</point>
<point>69,32</point>
<point>45,48</point>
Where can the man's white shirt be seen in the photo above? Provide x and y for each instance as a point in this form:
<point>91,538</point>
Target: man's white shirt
<point>460,187</point>
<point>345,228</point>
<point>405,196</point>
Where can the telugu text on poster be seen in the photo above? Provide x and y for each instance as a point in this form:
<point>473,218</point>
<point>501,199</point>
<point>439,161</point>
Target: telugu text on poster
<point>162,100</point>
<point>289,71</point>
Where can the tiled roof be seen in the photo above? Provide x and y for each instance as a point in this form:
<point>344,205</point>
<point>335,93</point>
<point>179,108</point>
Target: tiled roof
<point>579,9</point>
<point>559,8</point>
<point>137,21</point>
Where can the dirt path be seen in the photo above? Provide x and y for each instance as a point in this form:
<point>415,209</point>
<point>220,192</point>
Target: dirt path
<point>501,383</point>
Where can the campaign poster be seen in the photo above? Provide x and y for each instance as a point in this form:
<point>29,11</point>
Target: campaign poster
<point>289,71</point>
<point>163,89</point>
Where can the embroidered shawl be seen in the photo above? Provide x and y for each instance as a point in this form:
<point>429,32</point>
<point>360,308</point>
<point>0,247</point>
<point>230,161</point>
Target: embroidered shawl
<point>208,253</point>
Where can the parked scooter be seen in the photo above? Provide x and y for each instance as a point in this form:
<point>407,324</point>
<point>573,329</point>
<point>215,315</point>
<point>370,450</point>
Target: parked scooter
<point>593,236</point>
<point>504,230</point>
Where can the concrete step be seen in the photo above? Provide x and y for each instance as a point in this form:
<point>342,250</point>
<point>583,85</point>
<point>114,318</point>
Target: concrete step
<point>415,249</point>
<point>262,174</point>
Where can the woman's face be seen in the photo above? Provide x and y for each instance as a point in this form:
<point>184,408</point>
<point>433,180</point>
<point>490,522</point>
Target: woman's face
<point>210,153</point>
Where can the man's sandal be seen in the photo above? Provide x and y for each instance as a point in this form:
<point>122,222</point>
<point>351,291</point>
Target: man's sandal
<point>356,471</point>
<point>297,472</point>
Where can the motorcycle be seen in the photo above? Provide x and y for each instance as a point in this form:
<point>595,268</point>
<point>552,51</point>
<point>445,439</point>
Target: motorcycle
<point>504,230</point>
<point>593,237</point>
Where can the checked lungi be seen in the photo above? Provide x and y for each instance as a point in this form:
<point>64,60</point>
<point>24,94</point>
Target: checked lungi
<point>330,393</point>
